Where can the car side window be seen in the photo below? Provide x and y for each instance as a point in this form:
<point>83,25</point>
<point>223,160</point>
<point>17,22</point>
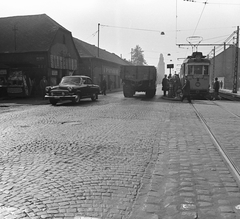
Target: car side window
<point>89,81</point>
<point>84,80</point>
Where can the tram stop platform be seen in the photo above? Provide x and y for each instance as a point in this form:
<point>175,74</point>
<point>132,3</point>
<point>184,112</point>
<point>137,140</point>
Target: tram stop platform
<point>228,94</point>
<point>223,93</point>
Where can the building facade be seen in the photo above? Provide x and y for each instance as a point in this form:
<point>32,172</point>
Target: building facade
<point>98,64</point>
<point>222,66</point>
<point>32,47</point>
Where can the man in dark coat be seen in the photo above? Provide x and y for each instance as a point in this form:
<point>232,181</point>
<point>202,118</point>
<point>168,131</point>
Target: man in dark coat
<point>186,90</point>
<point>104,86</point>
<point>165,85</point>
<point>216,89</point>
<point>43,84</point>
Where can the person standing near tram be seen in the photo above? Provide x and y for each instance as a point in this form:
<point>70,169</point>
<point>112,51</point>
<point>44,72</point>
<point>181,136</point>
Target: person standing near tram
<point>216,87</point>
<point>186,90</point>
<point>165,85</point>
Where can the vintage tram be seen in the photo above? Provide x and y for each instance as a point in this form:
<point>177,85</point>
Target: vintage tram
<point>196,69</point>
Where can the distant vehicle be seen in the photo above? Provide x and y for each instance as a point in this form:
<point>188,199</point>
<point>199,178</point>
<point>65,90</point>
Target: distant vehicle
<point>19,84</point>
<point>139,79</point>
<point>196,69</point>
<point>73,88</point>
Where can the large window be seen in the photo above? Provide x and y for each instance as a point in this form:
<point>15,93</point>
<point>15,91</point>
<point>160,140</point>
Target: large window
<point>205,69</point>
<point>197,69</point>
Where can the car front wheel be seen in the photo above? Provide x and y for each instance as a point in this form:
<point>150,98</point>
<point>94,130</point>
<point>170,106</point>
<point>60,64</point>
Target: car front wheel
<point>53,102</point>
<point>76,99</point>
<point>94,97</point>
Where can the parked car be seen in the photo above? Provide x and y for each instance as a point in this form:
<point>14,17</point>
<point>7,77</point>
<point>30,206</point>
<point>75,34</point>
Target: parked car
<point>72,88</point>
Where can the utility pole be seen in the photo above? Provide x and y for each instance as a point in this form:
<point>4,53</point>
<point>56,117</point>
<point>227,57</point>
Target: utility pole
<point>235,74</point>
<point>98,37</point>
<point>224,61</point>
<point>213,75</point>
<point>131,55</point>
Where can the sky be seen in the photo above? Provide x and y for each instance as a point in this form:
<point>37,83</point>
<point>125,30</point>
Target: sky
<point>121,25</point>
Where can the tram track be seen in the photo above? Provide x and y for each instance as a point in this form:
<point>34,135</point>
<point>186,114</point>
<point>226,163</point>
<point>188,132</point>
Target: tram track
<point>237,116</point>
<point>234,168</point>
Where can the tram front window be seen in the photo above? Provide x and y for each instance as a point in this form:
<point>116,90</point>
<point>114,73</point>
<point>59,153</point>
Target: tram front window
<point>205,70</point>
<point>198,69</point>
<point>190,70</point>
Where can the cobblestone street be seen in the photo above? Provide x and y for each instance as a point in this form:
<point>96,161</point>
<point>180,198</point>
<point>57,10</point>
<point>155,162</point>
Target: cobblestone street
<point>115,158</point>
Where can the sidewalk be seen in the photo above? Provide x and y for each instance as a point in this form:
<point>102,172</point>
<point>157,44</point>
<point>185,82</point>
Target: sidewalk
<point>230,92</point>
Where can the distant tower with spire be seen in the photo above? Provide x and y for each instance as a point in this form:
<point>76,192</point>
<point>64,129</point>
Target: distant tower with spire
<point>160,69</point>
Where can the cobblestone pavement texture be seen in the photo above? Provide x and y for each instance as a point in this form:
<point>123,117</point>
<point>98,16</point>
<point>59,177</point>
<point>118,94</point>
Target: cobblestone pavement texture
<point>116,158</point>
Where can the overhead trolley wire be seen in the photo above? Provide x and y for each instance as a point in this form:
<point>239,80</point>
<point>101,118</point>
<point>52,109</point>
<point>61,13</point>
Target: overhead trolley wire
<point>131,28</point>
<point>200,17</point>
<point>211,3</point>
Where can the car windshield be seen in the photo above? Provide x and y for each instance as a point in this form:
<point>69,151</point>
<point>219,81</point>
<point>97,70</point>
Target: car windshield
<point>70,80</point>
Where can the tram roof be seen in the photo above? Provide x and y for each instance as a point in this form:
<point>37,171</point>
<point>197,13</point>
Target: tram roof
<point>196,57</point>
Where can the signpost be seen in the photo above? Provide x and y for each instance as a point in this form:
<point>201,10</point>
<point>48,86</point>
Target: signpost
<point>170,66</point>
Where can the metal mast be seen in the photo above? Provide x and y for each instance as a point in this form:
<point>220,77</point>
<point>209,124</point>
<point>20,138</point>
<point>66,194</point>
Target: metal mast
<point>235,73</point>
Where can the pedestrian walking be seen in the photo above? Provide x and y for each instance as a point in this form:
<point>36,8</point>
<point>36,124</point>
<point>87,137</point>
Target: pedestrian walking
<point>221,84</point>
<point>110,84</point>
<point>165,85</point>
<point>186,90</point>
<point>33,87</point>
<point>43,84</point>
<point>104,86</point>
<point>216,89</point>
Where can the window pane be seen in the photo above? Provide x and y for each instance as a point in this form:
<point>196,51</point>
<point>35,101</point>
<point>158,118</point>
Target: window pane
<point>190,69</point>
<point>205,70</point>
<point>198,69</point>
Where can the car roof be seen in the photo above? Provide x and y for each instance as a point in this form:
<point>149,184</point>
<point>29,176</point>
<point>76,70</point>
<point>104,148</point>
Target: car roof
<point>77,76</point>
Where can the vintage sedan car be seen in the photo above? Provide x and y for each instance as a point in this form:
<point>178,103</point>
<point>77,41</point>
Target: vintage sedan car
<point>73,88</point>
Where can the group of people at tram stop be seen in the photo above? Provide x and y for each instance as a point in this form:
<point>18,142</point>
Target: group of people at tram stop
<point>174,87</point>
<point>178,88</point>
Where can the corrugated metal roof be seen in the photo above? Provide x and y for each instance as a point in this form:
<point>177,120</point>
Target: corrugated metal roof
<point>86,50</point>
<point>28,33</point>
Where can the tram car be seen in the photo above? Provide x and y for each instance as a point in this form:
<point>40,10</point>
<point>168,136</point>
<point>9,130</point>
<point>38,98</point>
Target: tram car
<point>196,69</point>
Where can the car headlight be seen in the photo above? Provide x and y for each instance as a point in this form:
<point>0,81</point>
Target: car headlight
<point>47,89</point>
<point>70,89</point>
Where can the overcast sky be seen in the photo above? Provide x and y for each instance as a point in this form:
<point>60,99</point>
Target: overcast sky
<point>127,23</point>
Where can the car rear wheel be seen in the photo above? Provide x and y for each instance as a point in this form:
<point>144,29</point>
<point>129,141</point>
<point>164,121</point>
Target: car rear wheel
<point>94,97</point>
<point>53,102</point>
<point>76,99</point>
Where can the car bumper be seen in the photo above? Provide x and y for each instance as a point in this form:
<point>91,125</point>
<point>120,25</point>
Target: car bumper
<point>67,97</point>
